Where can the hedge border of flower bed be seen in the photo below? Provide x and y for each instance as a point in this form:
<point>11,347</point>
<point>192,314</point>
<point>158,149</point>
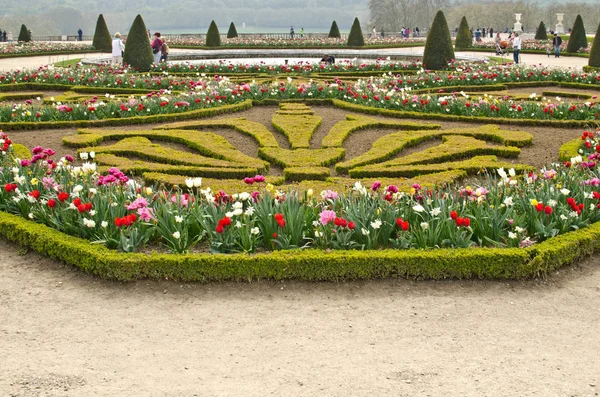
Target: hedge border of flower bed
<point>308,265</point>
<point>152,119</point>
<point>48,53</point>
<point>564,53</point>
<point>467,119</point>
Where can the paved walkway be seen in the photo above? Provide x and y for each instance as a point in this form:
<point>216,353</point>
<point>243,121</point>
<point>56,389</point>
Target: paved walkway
<point>527,59</point>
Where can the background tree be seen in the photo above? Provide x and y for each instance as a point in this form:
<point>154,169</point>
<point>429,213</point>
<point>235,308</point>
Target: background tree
<point>595,51</point>
<point>355,38</point>
<point>24,35</point>
<point>334,32</point>
<point>438,47</point>
<point>232,32</point>
<point>463,37</point>
<point>102,38</point>
<point>213,37</point>
<point>541,32</point>
<point>578,38</point>
<point>138,52</point>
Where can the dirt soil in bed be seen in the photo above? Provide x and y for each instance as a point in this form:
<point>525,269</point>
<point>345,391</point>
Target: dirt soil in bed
<point>66,334</point>
<point>543,151</point>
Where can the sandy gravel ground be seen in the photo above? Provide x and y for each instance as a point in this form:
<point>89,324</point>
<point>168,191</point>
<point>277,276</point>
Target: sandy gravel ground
<point>64,333</point>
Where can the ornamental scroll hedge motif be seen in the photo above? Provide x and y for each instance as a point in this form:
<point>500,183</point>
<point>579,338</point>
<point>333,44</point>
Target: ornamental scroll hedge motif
<point>154,155</point>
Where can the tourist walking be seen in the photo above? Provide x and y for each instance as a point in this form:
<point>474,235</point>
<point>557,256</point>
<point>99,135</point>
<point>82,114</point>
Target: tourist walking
<point>417,31</point>
<point>292,32</point>
<point>80,34</point>
<point>117,49</point>
<point>556,43</point>
<point>156,46</point>
<point>164,51</point>
<point>516,48</point>
<point>301,33</point>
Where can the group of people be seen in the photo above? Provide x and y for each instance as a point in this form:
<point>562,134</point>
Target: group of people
<point>160,49</point>
<point>293,33</point>
<point>5,36</point>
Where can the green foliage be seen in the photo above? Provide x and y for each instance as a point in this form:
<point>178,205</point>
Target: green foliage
<point>438,47</point>
<point>213,37</point>
<point>232,32</point>
<point>541,34</point>
<point>138,52</point>
<point>334,32</point>
<point>570,149</point>
<point>24,36</point>
<point>578,38</point>
<point>340,131</point>
<point>297,122</point>
<point>102,38</point>
<point>309,265</point>
<point>21,151</point>
<point>355,38</point>
<point>301,157</point>
<point>594,60</point>
<point>463,37</point>
<point>306,173</point>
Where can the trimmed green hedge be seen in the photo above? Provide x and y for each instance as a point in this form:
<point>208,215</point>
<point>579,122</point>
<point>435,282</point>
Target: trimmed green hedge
<point>570,149</point>
<point>309,265</point>
<point>463,37</point>
<point>355,38</point>
<point>299,174</point>
<point>438,47</point>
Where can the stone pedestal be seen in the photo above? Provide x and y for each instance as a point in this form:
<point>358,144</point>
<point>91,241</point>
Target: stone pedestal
<point>559,25</point>
<point>518,26</point>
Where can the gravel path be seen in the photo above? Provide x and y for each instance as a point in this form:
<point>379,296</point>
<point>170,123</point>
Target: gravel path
<point>67,334</point>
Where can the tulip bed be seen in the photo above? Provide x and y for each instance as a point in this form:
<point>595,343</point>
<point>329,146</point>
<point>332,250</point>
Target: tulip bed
<point>38,48</point>
<point>185,190</point>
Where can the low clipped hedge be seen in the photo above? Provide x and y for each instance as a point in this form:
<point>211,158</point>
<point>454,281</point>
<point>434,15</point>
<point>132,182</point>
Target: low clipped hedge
<point>309,265</point>
<point>299,174</point>
<point>570,149</point>
<point>48,53</point>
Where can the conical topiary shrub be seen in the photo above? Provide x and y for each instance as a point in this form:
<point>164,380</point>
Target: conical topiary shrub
<point>213,37</point>
<point>595,51</point>
<point>102,39</point>
<point>541,32</point>
<point>232,32</point>
<point>463,37</point>
<point>355,38</point>
<point>334,32</point>
<point>438,47</point>
<point>24,35</point>
<point>578,39</point>
<point>138,52</point>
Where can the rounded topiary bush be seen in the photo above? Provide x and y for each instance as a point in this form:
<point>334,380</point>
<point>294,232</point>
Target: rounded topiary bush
<point>578,39</point>
<point>102,39</point>
<point>463,37</point>
<point>438,47</point>
<point>24,35</point>
<point>213,37</point>
<point>138,52</point>
<point>595,51</point>
<point>334,32</point>
<point>541,34</point>
<point>232,32</point>
<point>355,38</point>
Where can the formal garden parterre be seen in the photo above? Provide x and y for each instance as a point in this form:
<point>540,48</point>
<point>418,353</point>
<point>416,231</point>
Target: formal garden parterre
<point>314,172</point>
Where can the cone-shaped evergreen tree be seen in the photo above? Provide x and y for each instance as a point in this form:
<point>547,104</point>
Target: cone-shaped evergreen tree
<point>24,35</point>
<point>138,52</point>
<point>463,37</point>
<point>578,39</point>
<point>334,32</point>
<point>232,32</point>
<point>438,47</point>
<point>355,38</point>
<point>595,51</point>
<point>102,39</point>
<point>213,37</point>
<point>541,32</point>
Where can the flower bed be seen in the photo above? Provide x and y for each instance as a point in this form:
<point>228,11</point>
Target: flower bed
<point>511,210</point>
<point>37,48</point>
